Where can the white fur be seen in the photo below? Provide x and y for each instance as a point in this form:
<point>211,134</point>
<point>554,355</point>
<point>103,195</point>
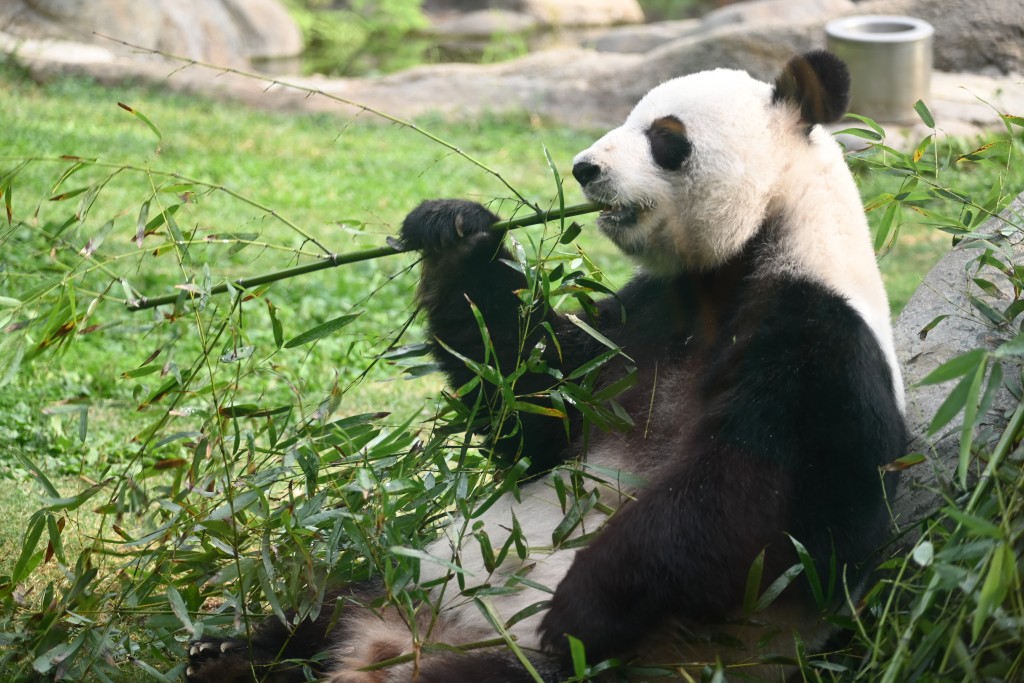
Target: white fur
<point>751,160</point>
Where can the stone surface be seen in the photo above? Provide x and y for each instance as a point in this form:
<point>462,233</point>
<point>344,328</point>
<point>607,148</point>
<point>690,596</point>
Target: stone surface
<point>982,36</point>
<point>584,12</point>
<point>742,16</point>
<point>944,291</point>
<point>484,23</point>
<point>553,13</point>
<point>642,38</point>
<point>228,32</point>
<point>776,11</point>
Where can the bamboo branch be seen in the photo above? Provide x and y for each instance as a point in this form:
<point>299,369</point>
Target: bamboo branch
<point>335,260</point>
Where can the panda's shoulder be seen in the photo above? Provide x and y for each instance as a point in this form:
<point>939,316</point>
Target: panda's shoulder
<point>801,325</point>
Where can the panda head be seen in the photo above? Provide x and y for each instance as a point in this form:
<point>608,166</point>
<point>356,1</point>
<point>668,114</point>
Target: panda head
<point>703,160</point>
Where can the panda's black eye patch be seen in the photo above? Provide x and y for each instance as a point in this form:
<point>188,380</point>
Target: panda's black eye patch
<point>669,145</point>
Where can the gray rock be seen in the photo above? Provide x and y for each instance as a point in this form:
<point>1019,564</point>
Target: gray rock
<point>982,36</point>
<point>944,292</point>
<point>584,12</point>
<point>753,15</point>
<point>643,37</point>
<point>483,24</point>
<point>553,13</point>
<point>228,32</point>
<point>776,11</point>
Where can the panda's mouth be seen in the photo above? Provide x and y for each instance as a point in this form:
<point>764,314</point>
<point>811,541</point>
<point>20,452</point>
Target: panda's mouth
<point>618,215</point>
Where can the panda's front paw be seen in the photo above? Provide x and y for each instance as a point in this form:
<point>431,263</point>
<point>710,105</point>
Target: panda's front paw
<point>212,660</point>
<point>439,224</point>
<point>608,622</point>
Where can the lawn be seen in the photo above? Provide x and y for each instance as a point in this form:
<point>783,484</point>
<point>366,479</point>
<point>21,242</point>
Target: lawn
<point>171,444</point>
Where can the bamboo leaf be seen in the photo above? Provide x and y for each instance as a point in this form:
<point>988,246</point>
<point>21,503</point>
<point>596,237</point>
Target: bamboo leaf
<point>919,152</point>
<point>951,406</point>
<point>321,331</point>
<point>69,194</point>
<point>527,407</point>
<point>571,232</point>
<point>55,548</point>
<point>778,585</point>
<point>976,524</point>
<point>418,554</point>
<point>970,418</point>
<point>140,224</point>
<point>74,502</point>
<point>753,586</point>
<point>38,475</point>
<point>1001,576</point>
<point>579,657</point>
<point>6,190</point>
<point>575,320</point>
<point>1013,347</point>
<point>275,325</point>
<point>956,367</point>
<point>905,462</point>
<point>886,228</point>
<point>992,314</point>
<point>810,570</point>
<point>922,110</point>
<point>152,672</point>
<point>179,609</point>
<point>142,117</point>
<point>870,123</point>
<point>931,326</point>
<point>36,525</point>
<point>861,133</point>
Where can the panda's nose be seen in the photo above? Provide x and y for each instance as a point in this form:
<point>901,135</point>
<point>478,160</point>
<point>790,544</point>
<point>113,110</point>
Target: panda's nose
<point>584,172</point>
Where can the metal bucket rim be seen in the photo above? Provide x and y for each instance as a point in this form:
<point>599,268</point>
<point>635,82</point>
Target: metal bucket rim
<point>852,29</point>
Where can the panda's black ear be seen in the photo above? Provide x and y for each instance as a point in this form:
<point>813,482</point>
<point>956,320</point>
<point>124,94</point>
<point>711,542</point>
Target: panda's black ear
<point>817,83</point>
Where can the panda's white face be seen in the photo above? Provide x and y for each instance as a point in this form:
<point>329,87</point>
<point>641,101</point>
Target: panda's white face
<point>688,178</point>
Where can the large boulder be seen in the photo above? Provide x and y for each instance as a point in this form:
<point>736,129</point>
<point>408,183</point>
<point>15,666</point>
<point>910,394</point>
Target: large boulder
<point>226,32</point>
<point>946,291</point>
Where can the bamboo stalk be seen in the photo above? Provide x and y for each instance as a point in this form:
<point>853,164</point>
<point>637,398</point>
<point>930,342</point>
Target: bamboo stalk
<point>335,260</point>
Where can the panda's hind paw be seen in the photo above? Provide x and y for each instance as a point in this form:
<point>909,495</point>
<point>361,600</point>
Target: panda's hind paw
<point>438,224</point>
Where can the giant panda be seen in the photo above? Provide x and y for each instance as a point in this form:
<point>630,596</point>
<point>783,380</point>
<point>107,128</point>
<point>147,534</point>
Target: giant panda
<point>766,399</point>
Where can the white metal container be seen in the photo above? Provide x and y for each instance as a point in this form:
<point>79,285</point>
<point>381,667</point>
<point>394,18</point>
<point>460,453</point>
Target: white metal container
<point>890,60</point>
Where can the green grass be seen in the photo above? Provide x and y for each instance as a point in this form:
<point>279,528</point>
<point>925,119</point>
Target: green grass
<point>347,183</point>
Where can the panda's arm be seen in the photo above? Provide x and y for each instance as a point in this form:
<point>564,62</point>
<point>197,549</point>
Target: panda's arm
<point>466,265</point>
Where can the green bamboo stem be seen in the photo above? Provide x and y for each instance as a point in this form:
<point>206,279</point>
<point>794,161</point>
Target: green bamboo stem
<point>335,260</point>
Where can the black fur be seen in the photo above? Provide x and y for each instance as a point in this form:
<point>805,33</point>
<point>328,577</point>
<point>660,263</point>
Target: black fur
<point>817,83</point>
<point>669,145</point>
<point>476,269</point>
